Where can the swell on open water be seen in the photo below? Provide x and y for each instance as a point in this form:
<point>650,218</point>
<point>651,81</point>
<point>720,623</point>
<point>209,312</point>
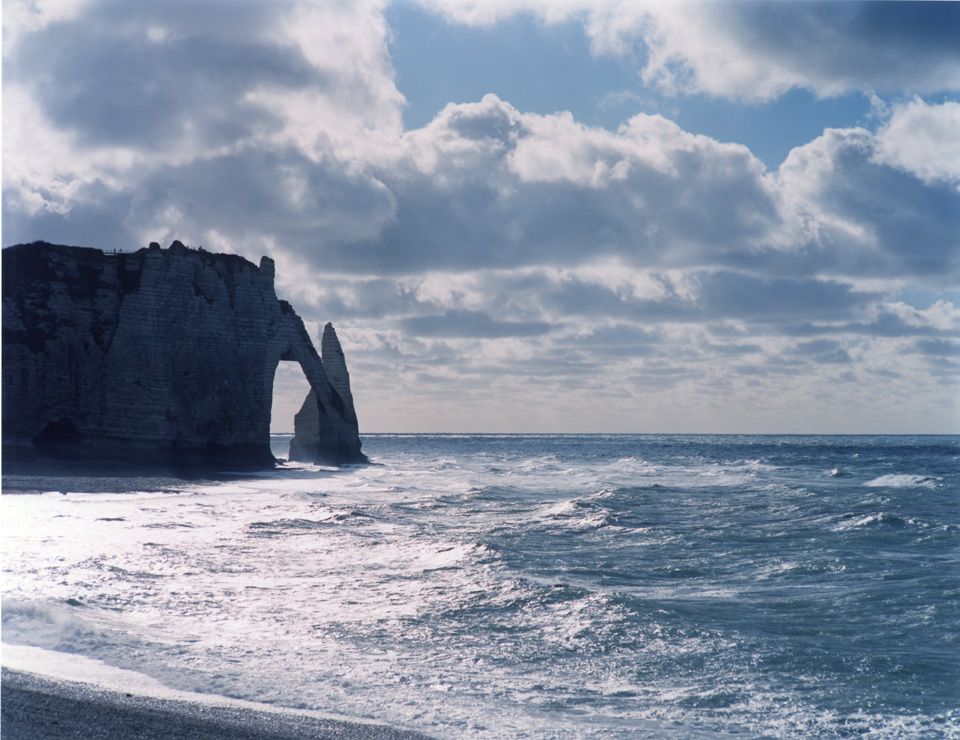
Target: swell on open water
<point>489,587</point>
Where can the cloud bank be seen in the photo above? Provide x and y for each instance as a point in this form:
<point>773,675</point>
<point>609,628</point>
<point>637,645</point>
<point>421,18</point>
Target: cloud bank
<point>504,270</point>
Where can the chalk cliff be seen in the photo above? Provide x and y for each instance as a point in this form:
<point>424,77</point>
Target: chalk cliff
<point>307,440</point>
<point>155,356</point>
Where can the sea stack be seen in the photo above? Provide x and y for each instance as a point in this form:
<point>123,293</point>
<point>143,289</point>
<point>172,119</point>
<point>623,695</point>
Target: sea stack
<point>160,356</point>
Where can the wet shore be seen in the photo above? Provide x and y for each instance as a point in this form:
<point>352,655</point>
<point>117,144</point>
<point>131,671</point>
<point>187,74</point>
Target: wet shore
<point>35,707</point>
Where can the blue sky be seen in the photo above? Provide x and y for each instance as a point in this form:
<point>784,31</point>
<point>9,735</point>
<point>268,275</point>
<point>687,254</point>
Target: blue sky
<point>545,68</point>
<point>600,216</point>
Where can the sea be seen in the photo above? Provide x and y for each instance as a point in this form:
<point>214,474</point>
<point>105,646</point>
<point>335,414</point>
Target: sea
<point>550,587</point>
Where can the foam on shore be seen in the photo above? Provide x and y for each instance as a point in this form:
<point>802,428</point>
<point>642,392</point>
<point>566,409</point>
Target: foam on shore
<point>48,694</point>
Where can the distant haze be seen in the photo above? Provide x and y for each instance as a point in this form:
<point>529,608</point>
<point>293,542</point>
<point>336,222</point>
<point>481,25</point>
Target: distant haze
<point>533,217</point>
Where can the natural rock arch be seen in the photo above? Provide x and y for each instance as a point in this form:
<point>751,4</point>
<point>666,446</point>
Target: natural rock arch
<point>309,423</point>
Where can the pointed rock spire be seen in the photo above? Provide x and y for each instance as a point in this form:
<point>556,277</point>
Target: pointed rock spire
<point>335,366</point>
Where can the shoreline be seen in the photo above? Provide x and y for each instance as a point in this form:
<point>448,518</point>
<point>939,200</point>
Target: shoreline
<point>40,704</point>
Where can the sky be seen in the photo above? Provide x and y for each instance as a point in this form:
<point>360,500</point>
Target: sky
<point>532,216</point>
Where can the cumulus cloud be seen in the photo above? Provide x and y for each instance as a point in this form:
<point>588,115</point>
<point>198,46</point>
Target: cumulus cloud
<point>486,186</point>
<point>864,217</point>
<point>923,140</point>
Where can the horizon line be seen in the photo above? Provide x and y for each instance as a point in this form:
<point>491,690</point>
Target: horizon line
<point>656,434</point>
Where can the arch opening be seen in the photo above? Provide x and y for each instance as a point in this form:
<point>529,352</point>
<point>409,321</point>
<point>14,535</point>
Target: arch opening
<point>290,387</point>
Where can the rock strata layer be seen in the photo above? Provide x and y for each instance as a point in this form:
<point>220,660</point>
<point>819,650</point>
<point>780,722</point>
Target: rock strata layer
<point>155,356</point>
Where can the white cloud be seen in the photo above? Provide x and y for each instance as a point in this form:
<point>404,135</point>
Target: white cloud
<point>941,316</point>
<point>558,149</point>
<point>625,282</point>
<point>357,108</point>
<point>924,140</point>
<point>27,16</point>
<point>691,49</point>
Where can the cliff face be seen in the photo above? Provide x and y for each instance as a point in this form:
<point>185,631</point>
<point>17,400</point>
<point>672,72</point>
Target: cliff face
<point>157,356</point>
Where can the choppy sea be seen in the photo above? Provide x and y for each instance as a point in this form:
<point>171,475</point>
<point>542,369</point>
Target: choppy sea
<point>486,587</point>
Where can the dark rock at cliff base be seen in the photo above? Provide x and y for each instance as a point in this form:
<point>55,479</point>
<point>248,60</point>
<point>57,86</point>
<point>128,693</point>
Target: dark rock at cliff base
<point>152,357</point>
<point>307,442</point>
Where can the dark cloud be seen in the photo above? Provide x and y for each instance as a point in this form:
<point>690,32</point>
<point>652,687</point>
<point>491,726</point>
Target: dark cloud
<point>739,295</point>
<point>731,349</point>
<point>887,324</point>
<point>825,351</point>
<point>945,370</point>
<point>771,369</point>
<point>938,347</point>
<point>478,225</point>
<point>277,192</point>
<point>615,321</point>
<point>495,123</point>
<point>280,192</point>
<point>717,295</point>
<point>759,50</point>
<point>619,336</point>
<point>100,221</point>
<point>889,47</point>
<point>113,84</point>
<point>874,220</point>
<point>471,325</point>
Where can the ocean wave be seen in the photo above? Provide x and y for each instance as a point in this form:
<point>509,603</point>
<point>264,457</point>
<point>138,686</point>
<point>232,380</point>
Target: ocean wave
<point>840,473</point>
<point>47,624</point>
<point>300,525</point>
<point>431,558</point>
<point>904,480</point>
<point>853,521</point>
<point>583,514</point>
<point>796,569</point>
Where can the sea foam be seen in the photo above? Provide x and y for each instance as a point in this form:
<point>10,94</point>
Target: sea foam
<point>904,480</point>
